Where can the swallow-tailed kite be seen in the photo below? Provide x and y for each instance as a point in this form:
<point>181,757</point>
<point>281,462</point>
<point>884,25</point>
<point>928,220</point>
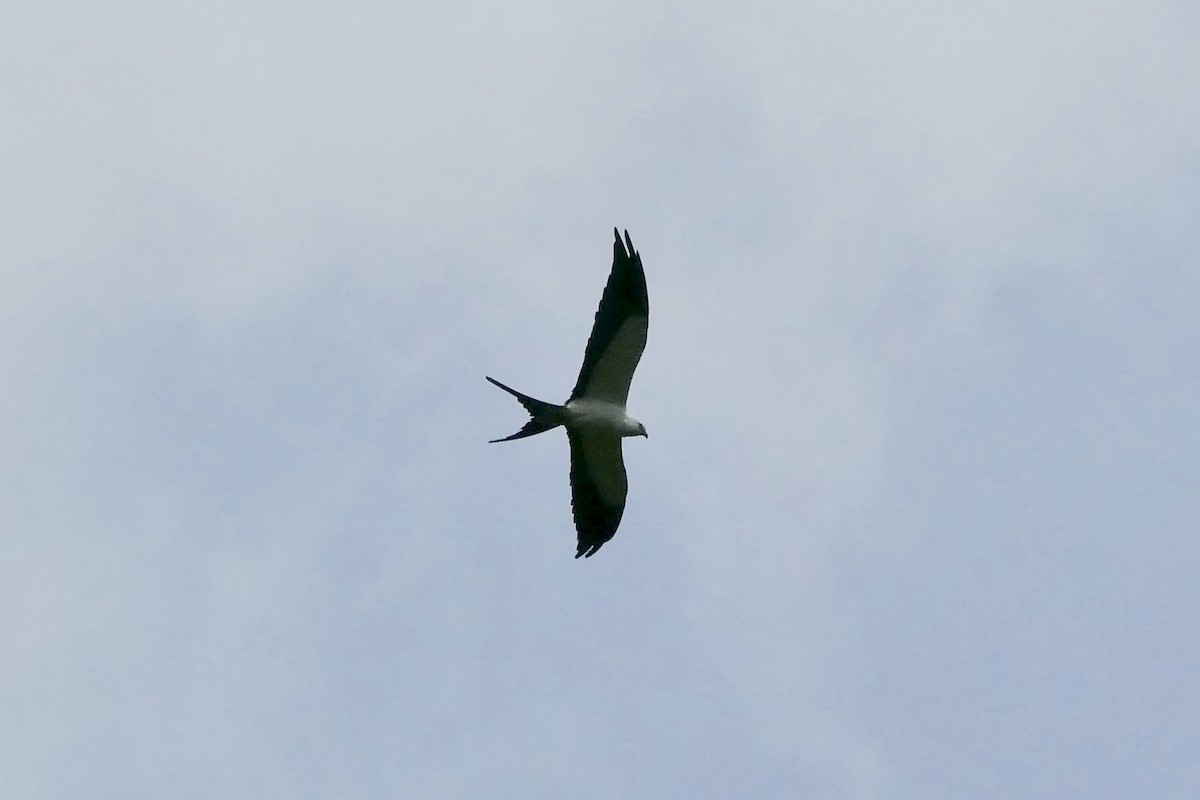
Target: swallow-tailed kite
<point>594,415</point>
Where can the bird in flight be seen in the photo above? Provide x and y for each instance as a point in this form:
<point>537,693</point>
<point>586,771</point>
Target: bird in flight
<point>594,415</point>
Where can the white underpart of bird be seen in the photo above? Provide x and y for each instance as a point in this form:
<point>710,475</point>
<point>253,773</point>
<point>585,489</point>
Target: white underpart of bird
<point>601,414</point>
<point>594,416</point>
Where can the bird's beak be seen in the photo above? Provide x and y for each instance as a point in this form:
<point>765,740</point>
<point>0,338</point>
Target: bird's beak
<point>645,434</point>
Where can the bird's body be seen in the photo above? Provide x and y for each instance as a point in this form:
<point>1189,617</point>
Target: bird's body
<point>602,415</point>
<point>595,415</point>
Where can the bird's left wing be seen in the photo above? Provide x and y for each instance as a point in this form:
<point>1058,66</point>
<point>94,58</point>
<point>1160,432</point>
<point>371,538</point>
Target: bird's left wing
<point>619,332</point>
<point>598,486</point>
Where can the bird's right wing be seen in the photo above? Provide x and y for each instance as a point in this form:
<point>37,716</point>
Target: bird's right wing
<point>598,486</point>
<point>619,332</point>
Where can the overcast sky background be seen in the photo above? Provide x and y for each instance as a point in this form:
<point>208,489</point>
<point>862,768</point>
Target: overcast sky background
<point>917,516</point>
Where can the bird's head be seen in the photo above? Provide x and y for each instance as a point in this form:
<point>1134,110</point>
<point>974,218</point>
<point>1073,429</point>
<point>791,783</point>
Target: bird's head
<point>634,428</point>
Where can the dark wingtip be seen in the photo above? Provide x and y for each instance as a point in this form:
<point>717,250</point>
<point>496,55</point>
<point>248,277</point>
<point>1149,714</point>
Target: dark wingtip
<point>588,550</point>
<point>623,248</point>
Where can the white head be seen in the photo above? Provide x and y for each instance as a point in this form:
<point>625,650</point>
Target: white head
<point>631,427</point>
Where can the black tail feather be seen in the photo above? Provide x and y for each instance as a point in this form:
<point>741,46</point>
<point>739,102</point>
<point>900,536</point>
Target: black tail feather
<point>545,416</point>
<point>532,428</point>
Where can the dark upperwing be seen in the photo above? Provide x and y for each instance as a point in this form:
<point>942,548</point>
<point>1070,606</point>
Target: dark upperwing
<point>619,332</point>
<point>598,487</point>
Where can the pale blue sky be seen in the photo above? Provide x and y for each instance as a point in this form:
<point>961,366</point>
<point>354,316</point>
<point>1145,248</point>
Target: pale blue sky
<point>917,516</point>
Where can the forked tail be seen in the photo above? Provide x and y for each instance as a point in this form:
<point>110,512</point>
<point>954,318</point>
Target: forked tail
<point>544,416</point>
